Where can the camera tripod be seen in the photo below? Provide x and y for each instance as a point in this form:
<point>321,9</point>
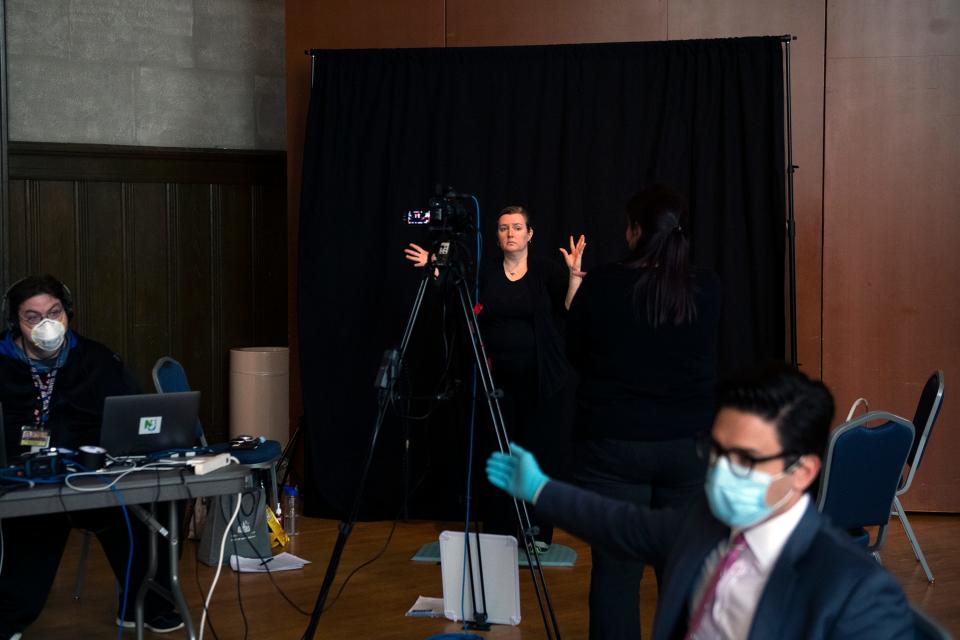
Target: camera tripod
<point>446,267</point>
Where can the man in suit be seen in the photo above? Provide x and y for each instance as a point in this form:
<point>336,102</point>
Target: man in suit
<point>752,558</point>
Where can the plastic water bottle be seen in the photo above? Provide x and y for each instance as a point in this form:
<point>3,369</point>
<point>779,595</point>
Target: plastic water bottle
<point>291,510</point>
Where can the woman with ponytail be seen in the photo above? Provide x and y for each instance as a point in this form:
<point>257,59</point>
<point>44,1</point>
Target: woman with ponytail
<point>642,333</point>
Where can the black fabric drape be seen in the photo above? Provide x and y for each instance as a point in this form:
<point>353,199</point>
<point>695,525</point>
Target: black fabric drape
<point>568,131</point>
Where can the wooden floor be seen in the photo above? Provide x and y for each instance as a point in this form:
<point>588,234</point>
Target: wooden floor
<point>375,600</point>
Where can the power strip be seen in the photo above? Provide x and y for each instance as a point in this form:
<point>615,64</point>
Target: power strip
<point>205,464</point>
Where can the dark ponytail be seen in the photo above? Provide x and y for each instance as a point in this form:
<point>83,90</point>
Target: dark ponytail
<point>665,289</point>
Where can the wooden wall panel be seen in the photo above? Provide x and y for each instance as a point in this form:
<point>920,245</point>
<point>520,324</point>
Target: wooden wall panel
<point>884,28</point>
<point>892,219</point>
<point>53,226</point>
<point>269,294</point>
<point>504,22</point>
<point>236,258</point>
<point>194,245</point>
<point>17,229</point>
<point>100,227</point>
<point>160,249</point>
<point>148,278</point>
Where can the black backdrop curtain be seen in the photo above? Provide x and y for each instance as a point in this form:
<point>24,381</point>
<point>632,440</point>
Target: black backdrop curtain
<point>570,132</point>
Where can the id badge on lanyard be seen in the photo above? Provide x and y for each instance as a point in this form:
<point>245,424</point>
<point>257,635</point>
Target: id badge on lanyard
<point>37,435</point>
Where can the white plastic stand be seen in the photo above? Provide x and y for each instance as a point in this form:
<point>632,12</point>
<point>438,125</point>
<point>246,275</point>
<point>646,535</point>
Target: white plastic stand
<point>501,577</point>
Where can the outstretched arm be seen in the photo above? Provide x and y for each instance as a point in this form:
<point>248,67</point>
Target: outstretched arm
<point>618,526</point>
<point>574,260</point>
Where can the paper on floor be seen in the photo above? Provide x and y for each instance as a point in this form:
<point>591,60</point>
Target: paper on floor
<point>280,562</point>
<point>426,608</point>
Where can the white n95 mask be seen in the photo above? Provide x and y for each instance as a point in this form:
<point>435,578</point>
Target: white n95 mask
<point>48,335</point>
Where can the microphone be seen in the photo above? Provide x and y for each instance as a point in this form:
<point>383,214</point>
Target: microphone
<point>387,372</point>
<point>453,195</point>
<point>450,193</point>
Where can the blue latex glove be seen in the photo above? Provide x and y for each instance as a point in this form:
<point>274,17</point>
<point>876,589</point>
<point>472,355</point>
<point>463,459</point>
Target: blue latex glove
<point>517,473</point>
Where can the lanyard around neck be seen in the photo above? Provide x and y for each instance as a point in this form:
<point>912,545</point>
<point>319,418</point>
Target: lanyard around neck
<point>41,412</point>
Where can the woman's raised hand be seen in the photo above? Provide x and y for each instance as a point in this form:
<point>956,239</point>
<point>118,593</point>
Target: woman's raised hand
<point>574,257</point>
<point>417,255</point>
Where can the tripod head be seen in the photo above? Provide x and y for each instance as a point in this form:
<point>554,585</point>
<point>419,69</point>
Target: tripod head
<point>451,231</point>
<point>450,255</point>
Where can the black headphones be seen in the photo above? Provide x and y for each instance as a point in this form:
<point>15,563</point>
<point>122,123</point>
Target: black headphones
<point>44,284</point>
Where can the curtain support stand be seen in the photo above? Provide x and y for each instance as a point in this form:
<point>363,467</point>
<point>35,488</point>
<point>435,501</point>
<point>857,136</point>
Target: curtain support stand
<point>791,221</point>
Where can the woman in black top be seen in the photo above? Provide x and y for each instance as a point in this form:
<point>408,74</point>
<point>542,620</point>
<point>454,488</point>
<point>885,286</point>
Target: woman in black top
<point>642,334</point>
<point>522,299</point>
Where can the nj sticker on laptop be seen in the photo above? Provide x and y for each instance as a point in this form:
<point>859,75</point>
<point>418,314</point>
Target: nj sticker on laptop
<point>150,425</point>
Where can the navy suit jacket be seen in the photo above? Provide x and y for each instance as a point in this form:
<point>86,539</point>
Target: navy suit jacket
<point>821,586</point>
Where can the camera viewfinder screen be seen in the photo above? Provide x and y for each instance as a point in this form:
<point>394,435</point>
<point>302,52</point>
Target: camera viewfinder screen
<point>417,216</point>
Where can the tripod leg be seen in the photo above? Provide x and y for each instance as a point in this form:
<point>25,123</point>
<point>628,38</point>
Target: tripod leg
<point>479,613</point>
<point>405,473</point>
<point>503,442</point>
<point>404,342</point>
<point>346,526</point>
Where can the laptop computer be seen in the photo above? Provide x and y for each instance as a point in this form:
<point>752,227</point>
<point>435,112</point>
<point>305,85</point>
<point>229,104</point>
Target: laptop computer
<point>149,423</point>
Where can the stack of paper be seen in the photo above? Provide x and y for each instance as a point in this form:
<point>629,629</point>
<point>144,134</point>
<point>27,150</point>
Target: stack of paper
<point>280,562</point>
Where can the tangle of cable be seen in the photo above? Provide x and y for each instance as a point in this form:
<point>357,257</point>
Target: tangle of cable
<point>120,475</point>
<point>216,577</point>
<point>126,577</point>
<point>266,565</point>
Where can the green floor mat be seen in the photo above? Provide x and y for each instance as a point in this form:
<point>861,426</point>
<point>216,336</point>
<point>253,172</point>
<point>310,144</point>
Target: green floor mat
<point>557,555</point>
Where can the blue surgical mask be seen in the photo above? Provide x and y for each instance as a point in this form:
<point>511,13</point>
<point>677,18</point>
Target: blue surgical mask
<point>740,502</point>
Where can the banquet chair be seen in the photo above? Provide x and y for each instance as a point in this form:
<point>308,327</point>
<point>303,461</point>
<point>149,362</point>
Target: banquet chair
<point>861,474</point>
<point>928,409</point>
<point>170,377</point>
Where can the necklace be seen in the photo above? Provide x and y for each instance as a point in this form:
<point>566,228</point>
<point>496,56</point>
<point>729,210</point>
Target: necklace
<point>517,269</point>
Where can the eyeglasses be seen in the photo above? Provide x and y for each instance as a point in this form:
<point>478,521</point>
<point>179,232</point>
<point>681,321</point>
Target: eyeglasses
<point>741,462</point>
<point>33,318</point>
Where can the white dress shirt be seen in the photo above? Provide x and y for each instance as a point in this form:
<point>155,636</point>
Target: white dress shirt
<point>739,589</point>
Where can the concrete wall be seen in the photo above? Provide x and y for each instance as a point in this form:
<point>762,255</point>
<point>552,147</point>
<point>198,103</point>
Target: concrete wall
<point>167,73</point>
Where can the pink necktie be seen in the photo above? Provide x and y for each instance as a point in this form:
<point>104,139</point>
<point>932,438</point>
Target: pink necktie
<point>709,593</point>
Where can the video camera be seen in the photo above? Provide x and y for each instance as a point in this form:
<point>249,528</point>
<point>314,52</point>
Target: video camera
<point>445,213</point>
<point>450,226</point>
